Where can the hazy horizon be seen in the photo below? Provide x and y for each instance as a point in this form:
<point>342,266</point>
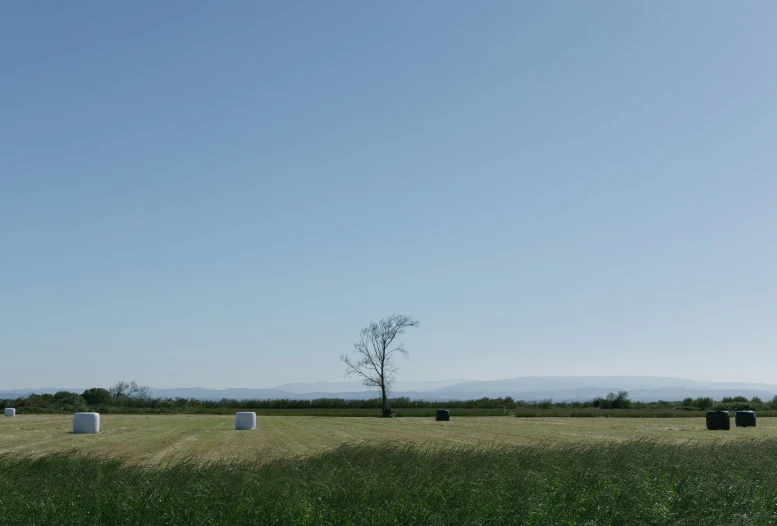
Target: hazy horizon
<point>195,194</point>
<point>400,385</point>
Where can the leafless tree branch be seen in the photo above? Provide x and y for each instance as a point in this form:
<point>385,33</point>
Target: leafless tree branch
<point>373,361</point>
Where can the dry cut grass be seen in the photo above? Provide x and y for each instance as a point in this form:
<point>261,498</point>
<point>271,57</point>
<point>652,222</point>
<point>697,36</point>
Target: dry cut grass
<point>152,440</point>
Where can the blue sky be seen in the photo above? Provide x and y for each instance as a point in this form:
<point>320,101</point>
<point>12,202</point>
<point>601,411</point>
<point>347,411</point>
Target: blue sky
<point>223,195</point>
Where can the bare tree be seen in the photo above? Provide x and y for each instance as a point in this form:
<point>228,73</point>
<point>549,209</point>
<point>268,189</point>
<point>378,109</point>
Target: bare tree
<point>374,355</point>
<point>125,390</point>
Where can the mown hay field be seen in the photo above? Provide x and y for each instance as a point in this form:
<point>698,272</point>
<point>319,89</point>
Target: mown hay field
<point>151,439</point>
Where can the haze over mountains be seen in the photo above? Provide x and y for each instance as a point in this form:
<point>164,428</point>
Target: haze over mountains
<point>558,388</point>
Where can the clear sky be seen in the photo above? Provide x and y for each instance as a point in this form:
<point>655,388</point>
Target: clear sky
<point>224,194</point>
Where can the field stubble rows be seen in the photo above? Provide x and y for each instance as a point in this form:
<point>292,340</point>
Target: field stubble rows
<point>151,440</point>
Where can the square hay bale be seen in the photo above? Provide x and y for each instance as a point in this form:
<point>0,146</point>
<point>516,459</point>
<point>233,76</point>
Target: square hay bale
<point>9,411</point>
<point>443,415</point>
<point>86,423</point>
<point>245,420</point>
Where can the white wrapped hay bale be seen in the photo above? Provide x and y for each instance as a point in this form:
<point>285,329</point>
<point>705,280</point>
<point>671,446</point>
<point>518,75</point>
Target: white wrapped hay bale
<point>86,423</point>
<point>245,421</point>
<point>10,411</point>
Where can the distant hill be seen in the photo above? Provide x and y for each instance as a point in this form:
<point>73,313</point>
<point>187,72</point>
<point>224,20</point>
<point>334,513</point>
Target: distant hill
<point>581,388</point>
<point>16,393</point>
<point>529,388</point>
<point>344,387</point>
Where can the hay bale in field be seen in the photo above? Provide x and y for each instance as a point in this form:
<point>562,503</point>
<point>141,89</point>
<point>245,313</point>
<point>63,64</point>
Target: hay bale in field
<point>744,418</point>
<point>443,415</point>
<point>245,420</point>
<point>718,420</point>
<point>9,411</point>
<point>86,423</point>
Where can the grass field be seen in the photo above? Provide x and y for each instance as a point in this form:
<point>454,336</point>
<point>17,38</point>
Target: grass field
<point>152,439</point>
<point>523,412</point>
<point>296,470</point>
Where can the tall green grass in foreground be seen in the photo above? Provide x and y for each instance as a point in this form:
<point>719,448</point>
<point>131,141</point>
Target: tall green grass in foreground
<point>637,482</point>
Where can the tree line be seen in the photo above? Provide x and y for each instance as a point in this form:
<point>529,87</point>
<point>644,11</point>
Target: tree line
<point>130,397</point>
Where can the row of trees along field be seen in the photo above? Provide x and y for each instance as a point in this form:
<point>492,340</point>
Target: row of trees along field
<point>129,397</point>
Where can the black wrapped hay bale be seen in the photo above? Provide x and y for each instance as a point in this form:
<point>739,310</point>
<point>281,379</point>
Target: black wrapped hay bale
<point>443,415</point>
<point>745,418</point>
<point>718,420</point>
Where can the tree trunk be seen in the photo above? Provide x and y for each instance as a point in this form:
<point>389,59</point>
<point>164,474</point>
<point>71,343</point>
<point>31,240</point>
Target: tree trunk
<point>385,411</point>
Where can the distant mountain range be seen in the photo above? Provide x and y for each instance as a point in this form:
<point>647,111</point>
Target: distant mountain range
<point>557,388</point>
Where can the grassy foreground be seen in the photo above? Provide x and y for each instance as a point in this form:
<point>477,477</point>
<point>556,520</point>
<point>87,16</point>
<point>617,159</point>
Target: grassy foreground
<point>635,482</point>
